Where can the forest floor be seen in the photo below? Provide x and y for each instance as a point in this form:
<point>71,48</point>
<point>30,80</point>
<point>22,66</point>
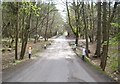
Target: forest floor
<point>111,67</point>
<point>8,57</point>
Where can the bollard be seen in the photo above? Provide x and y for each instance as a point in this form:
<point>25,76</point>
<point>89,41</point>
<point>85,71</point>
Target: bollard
<point>30,51</point>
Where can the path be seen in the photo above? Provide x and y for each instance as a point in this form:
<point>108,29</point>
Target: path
<point>58,63</point>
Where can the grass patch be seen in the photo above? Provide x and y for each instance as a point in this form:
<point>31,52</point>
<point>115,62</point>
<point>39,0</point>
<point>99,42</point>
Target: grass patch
<point>15,62</point>
<point>112,63</point>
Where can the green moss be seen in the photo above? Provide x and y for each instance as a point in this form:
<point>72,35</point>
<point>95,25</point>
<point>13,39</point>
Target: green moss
<point>17,62</point>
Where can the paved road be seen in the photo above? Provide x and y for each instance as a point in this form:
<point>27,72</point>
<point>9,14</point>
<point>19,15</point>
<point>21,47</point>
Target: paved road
<point>58,63</point>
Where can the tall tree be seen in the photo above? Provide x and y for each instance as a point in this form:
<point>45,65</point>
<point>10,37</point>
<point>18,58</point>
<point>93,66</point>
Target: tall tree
<point>77,18</point>
<point>92,28</point>
<point>119,43</point>
<point>47,22</point>
<point>26,31</point>
<point>16,29</point>
<point>105,29</point>
<point>69,19</point>
<point>106,38</point>
<point>85,19</point>
<point>119,51</point>
<point>98,47</point>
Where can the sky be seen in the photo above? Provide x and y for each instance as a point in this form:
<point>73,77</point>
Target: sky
<point>60,5</point>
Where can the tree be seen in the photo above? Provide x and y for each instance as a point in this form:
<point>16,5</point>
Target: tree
<point>26,30</point>
<point>118,39</point>
<point>47,23</point>
<point>17,27</point>
<point>85,27</point>
<point>92,28</point>
<point>13,8</point>
<point>74,25</point>
<point>105,29</point>
<point>98,47</point>
<point>119,49</point>
<point>69,19</point>
<point>77,18</point>
<point>27,20</point>
<point>106,35</point>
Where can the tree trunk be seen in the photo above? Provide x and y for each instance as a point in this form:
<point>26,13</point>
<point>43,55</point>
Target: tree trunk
<point>86,29</point>
<point>16,43</point>
<point>69,19</point>
<point>36,31</point>
<point>105,35</point>
<point>25,38</point>
<point>16,34</point>
<point>22,36</point>
<point>47,23</point>
<point>76,9</point>
<point>51,25</point>
<point>92,23</point>
<point>106,38</point>
<point>98,47</point>
<point>24,45</point>
<point>90,38</point>
<point>118,44</point>
<point>118,12</point>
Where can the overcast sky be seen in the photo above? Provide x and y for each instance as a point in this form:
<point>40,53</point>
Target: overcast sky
<point>60,4</point>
